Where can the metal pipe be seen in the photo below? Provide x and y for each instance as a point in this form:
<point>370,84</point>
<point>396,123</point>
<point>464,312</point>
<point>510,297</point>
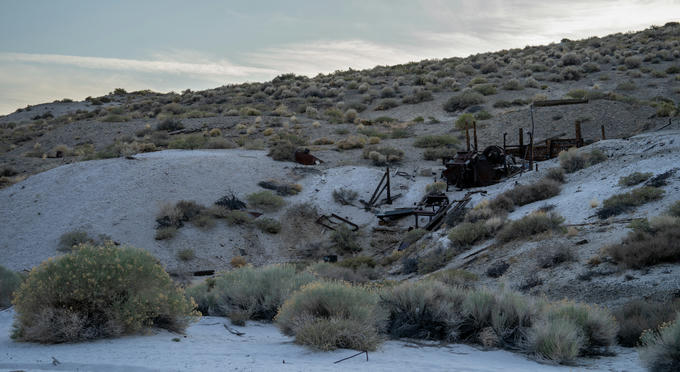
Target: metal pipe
<point>467,136</point>
<point>474,131</point>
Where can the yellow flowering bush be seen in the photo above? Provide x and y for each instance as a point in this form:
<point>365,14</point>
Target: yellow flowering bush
<point>98,291</point>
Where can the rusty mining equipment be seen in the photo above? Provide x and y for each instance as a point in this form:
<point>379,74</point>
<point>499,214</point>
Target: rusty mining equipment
<point>472,168</point>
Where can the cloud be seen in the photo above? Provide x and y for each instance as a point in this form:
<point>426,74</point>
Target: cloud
<point>311,58</point>
<point>221,68</point>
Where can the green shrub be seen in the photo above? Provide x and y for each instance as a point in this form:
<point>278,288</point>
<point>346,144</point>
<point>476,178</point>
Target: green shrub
<point>188,142</point>
<point>164,233</point>
<point>483,115</point>
<point>386,104</point>
<point>598,326</point>
<point>331,315</point>
<point>345,240</point>
<point>512,84</point>
<point>170,125</point>
<point>435,140</point>
<point>658,244</point>
<point>639,315</point>
<point>661,348</point>
<point>623,203</point>
<point>424,309</point>
<point>249,111</point>
<point>464,121</point>
<point>329,271</point>
<point>98,292</point>
<point>268,225</point>
<point>674,209</point>
<point>248,293</point>
<point>556,340</point>
<point>73,238</point>
<point>485,89</point>
<point>187,254</point>
<point>540,190</point>
<point>265,200</point>
<point>529,225</point>
<point>282,151</point>
<point>634,178</point>
<point>595,157</point>
<point>9,282</point>
<point>468,233</point>
<point>236,217</point>
<point>463,101</point>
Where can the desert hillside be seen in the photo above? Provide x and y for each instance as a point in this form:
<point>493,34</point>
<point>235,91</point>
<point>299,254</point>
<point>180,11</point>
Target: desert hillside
<point>208,183</point>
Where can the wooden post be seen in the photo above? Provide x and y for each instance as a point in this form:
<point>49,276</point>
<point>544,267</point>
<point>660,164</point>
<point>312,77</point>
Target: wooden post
<point>474,131</point>
<point>603,136</point>
<point>577,129</point>
<point>467,136</point>
<point>521,143</point>
<point>389,194</point>
<point>531,144</point>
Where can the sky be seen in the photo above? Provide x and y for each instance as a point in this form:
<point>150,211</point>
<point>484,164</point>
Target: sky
<point>53,49</point>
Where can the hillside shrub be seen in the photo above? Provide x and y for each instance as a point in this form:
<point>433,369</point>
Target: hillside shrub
<point>555,174</point>
<point>331,315</point>
<point>540,190</point>
<point>572,160</point>
<point>345,240</point>
<point>265,200</point>
<point>622,203</point>
<point>97,292</point>
<point>170,125</point>
<point>634,178</point>
<point>248,293</point>
<point>554,255</point>
<point>435,140</point>
<point>555,340</point>
<point>464,100</point>
<point>660,351</point>
<point>383,155</point>
<point>282,151</point>
<point>72,238</point>
<point>268,225</point>
<point>658,244</point>
<point>638,315</point>
<point>464,121</point>
<point>529,225</point>
<point>435,153</point>
<point>424,309</point>
<point>598,326</point>
<point>9,282</point>
<point>468,233</point>
<point>485,89</point>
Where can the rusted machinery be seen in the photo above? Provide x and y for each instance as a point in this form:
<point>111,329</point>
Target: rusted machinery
<point>434,205</point>
<point>473,169</point>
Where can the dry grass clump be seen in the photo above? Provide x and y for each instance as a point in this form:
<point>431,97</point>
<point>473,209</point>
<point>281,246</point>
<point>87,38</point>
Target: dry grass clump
<point>661,347</point>
<point>281,187</point>
<point>435,141</point>
<point>634,178</point>
<point>169,125</point>
<point>345,196</point>
<point>555,340</point>
<point>435,153</point>
<point>383,155</point>
<point>622,203</point>
<point>658,241</point>
<point>331,315</point>
<point>540,190</point>
<point>468,233</point>
<point>268,225</point>
<point>573,160</point>
<point>187,254</point>
<point>282,151</point>
<point>435,187</point>
<point>238,261</point>
<point>351,142</point>
<point>555,174</point>
<point>554,255</point>
<point>248,293</point>
<point>637,316</point>
<point>233,217</point>
<point>529,225</point>
<point>9,282</point>
<point>265,200</point>
<point>464,100</point>
<point>455,277</point>
<point>98,292</point>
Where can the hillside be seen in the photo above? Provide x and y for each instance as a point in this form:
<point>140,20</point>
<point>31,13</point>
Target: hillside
<point>207,183</point>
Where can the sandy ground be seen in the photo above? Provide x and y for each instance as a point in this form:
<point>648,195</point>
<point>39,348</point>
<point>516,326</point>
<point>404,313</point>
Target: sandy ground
<point>207,346</point>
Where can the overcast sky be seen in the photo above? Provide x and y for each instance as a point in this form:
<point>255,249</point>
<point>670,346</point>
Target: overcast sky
<point>72,49</point>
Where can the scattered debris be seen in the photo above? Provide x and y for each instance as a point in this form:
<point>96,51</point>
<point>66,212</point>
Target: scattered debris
<point>233,331</point>
<point>383,185</point>
<point>204,273</point>
<point>306,158</point>
<point>660,179</point>
<point>349,357</point>
<point>231,202</point>
<point>333,221</point>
